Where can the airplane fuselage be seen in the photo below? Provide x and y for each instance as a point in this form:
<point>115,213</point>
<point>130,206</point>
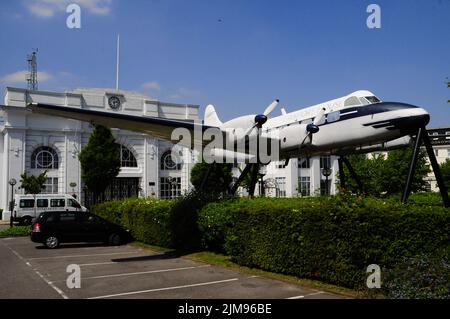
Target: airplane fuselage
<point>367,124</point>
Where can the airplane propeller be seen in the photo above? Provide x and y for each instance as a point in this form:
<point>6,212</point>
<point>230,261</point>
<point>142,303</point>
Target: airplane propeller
<point>260,119</point>
<point>313,127</point>
<point>253,168</point>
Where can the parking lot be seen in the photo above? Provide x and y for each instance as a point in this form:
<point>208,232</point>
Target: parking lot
<point>28,270</point>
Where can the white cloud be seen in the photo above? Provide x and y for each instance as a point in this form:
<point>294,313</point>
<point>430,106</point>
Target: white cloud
<point>182,93</point>
<point>152,85</point>
<point>20,77</point>
<point>48,8</point>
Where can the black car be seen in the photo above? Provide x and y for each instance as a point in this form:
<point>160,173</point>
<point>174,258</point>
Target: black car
<point>54,227</point>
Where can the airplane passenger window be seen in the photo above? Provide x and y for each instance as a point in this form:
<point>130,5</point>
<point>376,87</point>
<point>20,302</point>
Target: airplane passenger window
<point>333,116</point>
<point>373,99</point>
<point>352,101</point>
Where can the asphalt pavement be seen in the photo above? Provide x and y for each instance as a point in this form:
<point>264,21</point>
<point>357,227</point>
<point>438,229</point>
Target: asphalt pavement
<point>28,270</point>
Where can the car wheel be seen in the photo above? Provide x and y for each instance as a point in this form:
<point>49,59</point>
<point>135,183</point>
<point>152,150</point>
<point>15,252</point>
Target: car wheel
<point>51,242</point>
<point>27,221</point>
<point>114,239</point>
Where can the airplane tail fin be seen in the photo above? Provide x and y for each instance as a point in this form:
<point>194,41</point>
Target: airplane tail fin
<point>211,118</point>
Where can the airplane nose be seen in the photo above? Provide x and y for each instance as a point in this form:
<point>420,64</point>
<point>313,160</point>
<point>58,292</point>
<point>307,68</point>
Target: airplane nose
<point>415,118</point>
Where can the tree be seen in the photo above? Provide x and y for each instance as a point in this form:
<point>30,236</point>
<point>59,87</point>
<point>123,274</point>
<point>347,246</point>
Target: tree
<point>219,180</point>
<point>386,175</point>
<point>100,160</point>
<point>445,170</point>
<point>33,184</point>
<point>396,169</point>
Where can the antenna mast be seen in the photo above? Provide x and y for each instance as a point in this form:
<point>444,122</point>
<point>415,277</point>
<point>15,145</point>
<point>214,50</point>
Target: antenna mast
<point>32,81</point>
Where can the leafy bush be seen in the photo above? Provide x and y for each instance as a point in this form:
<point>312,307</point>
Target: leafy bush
<point>331,239</point>
<point>166,223</point>
<point>426,199</point>
<point>16,231</point>
<point>214,220</point>
<point>147,219</point>
<point>420,277</point>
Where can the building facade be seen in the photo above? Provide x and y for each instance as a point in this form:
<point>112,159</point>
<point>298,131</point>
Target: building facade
<point>440,139</point>
<point>300,177</point>
<point>35,143</point>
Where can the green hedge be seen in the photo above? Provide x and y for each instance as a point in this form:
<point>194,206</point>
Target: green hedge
<point>331,239</point>
<point>147,219</point>
<point>16,231</point>
<point>166,223</point>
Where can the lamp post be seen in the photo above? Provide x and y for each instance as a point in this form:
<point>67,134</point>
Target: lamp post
<point>11,182</point>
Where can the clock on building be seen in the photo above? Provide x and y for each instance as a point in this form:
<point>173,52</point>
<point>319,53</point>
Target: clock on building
<point>114,102</point>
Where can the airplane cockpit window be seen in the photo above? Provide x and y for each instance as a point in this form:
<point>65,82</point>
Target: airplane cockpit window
<point>352,101</point>
<point>333,116</point>
<point>373,99</point>
<point>364,101</point>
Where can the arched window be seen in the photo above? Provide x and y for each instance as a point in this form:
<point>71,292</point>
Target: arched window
<point>167,163</point>
<point>44,157</point>
<point>127,158</point>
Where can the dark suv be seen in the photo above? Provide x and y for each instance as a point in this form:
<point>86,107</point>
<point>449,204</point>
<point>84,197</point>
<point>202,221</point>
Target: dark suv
<point>54,227</point>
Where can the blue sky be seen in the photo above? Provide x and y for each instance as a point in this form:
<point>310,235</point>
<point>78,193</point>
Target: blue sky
<point>237,54</point>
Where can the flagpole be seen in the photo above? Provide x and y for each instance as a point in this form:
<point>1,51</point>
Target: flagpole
<point>117,62</point>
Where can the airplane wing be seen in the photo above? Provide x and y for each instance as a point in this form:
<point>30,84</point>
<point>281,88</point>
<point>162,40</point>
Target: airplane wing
<point>157,127</point>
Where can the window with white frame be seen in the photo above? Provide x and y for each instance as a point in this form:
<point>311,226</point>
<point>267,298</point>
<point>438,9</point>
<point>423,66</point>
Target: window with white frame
<point>281,186</point>
<point>170,187</point>
<point>50,186</point>
<point>44,157</point>
<point>304,185</point>
<point>168,163</point>
<point>127,158</point>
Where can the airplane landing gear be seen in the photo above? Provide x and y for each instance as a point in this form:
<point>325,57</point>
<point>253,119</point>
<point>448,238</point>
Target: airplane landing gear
<point>343,160</point>
<point>422,137</point>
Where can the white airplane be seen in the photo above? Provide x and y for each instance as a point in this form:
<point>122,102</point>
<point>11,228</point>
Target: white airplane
<point>357,123</point>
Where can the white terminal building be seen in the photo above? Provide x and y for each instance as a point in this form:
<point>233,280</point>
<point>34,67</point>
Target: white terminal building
<point>35,143</point>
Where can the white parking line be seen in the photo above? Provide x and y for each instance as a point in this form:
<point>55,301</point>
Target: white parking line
<point>166,288</point>
<point>296,297</point>
<point>75,256</point>
<point>144,272</point>
<point>303,296</point>
<point>99,264</point>
<point>59,291</point>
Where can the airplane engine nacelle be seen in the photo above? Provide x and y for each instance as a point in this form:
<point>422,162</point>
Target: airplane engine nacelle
<point>293,136</point>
